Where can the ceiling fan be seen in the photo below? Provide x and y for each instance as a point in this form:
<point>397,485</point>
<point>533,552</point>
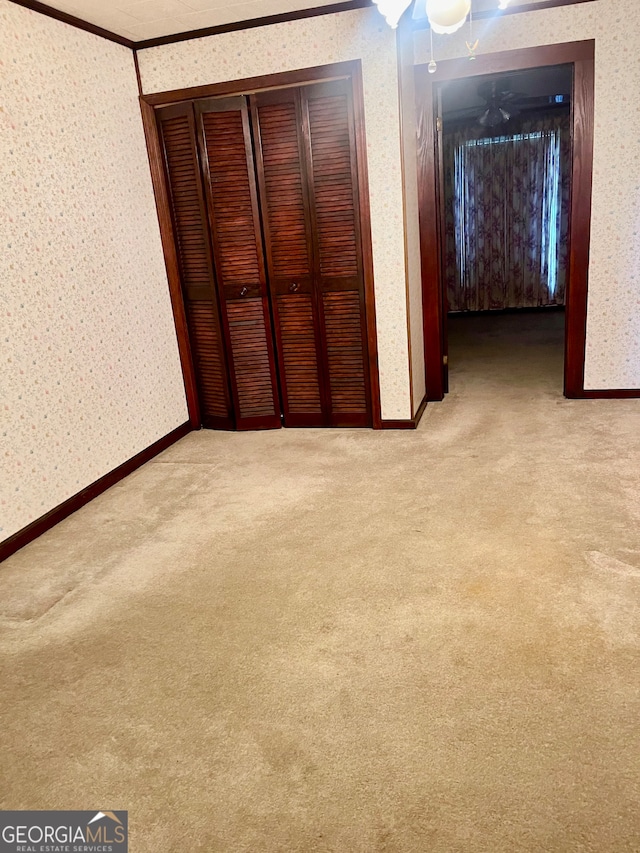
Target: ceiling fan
<point>501,104</point>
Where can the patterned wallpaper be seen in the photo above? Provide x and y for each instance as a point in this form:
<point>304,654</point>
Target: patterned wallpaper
<point>613,326</point>
<point>360,34</point>
<point>90,369</point>
<point>411,222</point>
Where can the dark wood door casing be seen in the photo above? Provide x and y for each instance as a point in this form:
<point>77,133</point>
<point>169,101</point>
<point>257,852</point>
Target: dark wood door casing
<point>581,55</point>
<point>441,208</point>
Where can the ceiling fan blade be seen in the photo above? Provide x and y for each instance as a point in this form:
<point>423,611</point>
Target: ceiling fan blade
<point>493,117</point>
<point>508,95</point>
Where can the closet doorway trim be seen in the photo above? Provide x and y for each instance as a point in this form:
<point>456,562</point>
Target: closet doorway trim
<point>352,71</point>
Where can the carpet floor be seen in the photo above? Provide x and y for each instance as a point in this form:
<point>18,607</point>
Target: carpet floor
<point>349,641</point>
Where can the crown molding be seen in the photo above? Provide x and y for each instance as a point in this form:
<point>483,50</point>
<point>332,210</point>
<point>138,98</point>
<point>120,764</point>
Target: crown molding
<point>78,23</point>
<point>252,23</point>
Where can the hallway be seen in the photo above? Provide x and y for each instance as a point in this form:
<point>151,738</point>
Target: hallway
<point>504,353</point>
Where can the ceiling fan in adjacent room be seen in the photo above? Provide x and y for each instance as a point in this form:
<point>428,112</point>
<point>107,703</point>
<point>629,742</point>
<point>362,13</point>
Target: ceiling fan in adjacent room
<point>501,104</point>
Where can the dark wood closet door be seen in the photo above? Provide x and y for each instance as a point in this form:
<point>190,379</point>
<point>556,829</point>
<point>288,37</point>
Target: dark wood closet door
<point>229,173</point>
<point>177,135</point>
<point>277,121</point>
<point>305,144</point>
<point>332,166</point>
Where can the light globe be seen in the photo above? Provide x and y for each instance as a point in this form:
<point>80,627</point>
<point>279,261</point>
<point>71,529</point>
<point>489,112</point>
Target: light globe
<point>447,16</point>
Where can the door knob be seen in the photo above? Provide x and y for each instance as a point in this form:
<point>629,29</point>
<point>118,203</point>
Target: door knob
<point>244,291</point>
<point>294,287</point>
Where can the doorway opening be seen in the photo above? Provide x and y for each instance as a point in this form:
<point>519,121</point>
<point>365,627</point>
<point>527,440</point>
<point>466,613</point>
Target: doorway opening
<point>505,185</point>
<point>505,164</point>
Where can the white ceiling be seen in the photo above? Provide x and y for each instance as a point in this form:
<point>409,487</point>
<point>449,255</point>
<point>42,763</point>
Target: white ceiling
<point>147,19</point>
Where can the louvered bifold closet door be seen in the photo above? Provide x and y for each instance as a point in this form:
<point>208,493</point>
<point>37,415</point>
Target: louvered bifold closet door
<point>177,134</point>
<point>231,192</point>
<point>328,114</point>
<point>286,219</point>
<point>305,147</point>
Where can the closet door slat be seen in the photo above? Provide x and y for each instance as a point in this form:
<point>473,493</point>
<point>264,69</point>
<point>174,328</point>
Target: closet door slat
<point>237,250</point>
<point>177,134</point>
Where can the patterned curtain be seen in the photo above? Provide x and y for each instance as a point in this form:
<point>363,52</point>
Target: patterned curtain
<point>507,213</point>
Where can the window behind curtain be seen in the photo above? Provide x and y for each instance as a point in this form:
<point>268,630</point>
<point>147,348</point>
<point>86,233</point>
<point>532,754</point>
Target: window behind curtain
<point>507,220</point>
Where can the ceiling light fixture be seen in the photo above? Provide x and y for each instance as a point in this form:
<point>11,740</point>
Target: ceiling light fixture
<point>445,16</point>
<point>392,10</point>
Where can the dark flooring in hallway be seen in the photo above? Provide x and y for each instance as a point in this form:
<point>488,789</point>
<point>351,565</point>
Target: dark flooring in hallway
<point>523,349</point>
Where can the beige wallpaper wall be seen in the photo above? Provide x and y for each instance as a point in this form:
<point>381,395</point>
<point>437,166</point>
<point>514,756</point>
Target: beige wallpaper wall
<point>411,221</point>
<point>360,35</point>
<point>90,370</point>
<point>613,328</point>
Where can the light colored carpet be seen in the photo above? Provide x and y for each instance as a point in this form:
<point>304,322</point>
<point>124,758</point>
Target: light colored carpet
<point>349,641</point>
